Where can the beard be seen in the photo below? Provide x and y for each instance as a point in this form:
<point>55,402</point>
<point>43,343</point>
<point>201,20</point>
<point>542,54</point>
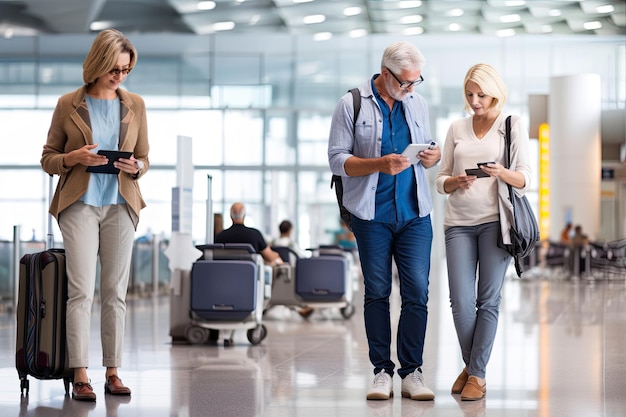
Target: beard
<point>394,91</point>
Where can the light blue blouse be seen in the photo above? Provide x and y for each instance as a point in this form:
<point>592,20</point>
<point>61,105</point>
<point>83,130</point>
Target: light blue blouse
<point>104,115</point>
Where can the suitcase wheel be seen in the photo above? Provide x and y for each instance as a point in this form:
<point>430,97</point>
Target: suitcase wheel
<point>347,311</point>
<point>66,384</point>
<point>256,335</point>
<point>197,335</point>
<point>24,386</point>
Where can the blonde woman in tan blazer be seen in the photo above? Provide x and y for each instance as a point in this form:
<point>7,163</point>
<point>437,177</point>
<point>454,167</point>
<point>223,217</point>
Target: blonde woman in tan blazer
<point>98,212</point>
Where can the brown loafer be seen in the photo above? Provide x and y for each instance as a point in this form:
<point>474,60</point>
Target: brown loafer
<point>114,386</point>
<point>82,391</point>
<point>305,312</point>
<point>473,390</point>
<point>460,382</point>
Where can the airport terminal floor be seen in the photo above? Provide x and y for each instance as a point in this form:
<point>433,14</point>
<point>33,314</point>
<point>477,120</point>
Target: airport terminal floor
<point>559,353</point>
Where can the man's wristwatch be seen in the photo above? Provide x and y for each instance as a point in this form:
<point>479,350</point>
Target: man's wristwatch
<point>140,165</point>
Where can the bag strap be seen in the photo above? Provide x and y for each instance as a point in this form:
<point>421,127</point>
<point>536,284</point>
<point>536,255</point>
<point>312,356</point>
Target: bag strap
<point>507,140</point>
<point>507,159</point>
<point>356,103</point>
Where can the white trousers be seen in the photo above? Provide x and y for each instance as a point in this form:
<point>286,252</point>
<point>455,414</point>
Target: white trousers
<point>90,233</point>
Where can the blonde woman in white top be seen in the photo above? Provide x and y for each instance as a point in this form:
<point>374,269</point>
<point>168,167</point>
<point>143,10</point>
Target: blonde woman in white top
<point>478,215</point>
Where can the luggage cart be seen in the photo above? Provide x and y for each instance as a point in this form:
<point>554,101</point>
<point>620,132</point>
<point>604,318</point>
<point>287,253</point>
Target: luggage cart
<point>229,288</point>
<point>321,281</point>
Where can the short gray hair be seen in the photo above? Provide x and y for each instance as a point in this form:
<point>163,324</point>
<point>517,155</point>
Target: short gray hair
<point>402,56</point>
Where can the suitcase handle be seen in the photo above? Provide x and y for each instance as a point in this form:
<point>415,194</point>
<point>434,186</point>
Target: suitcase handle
<point>223,307</point>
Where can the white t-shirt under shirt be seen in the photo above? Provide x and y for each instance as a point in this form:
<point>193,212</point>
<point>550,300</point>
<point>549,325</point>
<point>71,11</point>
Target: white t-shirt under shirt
<point>463,150</point>
<point>285,241</point>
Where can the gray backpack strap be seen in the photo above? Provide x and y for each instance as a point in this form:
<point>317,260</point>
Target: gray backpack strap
<point>356,101</point>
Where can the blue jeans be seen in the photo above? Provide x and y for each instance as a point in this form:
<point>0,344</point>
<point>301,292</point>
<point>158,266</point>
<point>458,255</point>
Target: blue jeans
<point>409,243</point>
<point>475,308</point>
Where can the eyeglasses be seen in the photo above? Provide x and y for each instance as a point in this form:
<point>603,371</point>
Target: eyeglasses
<point>117,71</point>
<point>406,84</point>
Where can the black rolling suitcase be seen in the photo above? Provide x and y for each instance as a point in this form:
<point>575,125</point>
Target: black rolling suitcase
<point>41,344</point>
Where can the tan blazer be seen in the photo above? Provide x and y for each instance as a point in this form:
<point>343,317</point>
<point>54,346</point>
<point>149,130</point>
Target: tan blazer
<point>71,129</point>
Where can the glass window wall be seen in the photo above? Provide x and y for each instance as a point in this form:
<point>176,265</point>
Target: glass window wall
<point>258,110</point>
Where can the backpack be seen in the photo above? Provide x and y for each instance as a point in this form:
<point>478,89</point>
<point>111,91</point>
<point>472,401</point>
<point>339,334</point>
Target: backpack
<point>336,179</point>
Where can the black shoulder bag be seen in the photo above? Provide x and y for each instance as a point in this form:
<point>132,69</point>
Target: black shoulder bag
<point>524,231</point>
<point>336,179</point>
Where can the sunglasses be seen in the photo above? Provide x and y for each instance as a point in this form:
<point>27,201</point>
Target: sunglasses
<point>117,71</point>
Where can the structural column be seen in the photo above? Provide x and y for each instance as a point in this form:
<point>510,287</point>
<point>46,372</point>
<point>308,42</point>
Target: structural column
<point>575,153</point>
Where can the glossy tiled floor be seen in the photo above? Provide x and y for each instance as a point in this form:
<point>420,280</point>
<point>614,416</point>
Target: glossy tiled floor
<point>560,352</point>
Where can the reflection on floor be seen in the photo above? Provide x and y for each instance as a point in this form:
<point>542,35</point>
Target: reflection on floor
<point>559,353</point>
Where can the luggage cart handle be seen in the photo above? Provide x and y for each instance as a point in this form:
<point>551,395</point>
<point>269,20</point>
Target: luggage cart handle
<point>50,234</point>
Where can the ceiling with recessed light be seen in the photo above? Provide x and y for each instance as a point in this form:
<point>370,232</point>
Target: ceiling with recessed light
<point>321,19</point>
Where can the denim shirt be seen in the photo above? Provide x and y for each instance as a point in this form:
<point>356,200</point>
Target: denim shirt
<point>393,195</point>
<point>365,141</point>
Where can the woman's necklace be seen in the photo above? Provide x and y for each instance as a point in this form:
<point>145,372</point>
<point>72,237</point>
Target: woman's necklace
<point>481,128</point>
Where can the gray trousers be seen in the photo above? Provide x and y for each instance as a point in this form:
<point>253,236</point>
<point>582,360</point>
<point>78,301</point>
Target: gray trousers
<point>90,233</point>
<point>475,302</point>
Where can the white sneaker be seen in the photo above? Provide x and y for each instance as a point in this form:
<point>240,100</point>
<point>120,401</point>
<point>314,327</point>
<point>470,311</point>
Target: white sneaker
<point>382,387</point>
<point>413,387</point>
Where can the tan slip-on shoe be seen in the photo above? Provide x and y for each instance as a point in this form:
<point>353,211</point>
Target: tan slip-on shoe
<point>473,390</point>
<point>82,391</point>
<point>305,312</point>
<point>114,386</point>
<point>460,382</point>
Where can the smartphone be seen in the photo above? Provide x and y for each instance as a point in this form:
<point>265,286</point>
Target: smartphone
<point>478,172</point>
<point>485,163</point>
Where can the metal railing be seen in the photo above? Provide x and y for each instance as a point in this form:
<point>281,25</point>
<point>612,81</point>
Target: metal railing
<point>149,272</point>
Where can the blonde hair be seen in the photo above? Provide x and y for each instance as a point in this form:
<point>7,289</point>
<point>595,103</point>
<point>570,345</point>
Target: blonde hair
<point>105,50</point>
<point>490,82</point>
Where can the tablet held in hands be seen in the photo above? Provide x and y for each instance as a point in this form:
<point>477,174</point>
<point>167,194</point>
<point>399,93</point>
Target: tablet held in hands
<point>413,149</point>
<point>109,168</point>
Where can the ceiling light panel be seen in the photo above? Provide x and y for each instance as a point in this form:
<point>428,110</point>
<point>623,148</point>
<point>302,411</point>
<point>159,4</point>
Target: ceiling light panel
<point>286,16</point>
<point>313,18</point>
<point>352,11</point>
<point>206,5</point>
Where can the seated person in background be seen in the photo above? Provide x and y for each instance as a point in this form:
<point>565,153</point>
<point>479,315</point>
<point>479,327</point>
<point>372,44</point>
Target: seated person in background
<point>565,234</point>
<point>580,239</point>
<point>345,238</point>
<point>285,228</point>
<point>238,233</point>
<point>578,242</point>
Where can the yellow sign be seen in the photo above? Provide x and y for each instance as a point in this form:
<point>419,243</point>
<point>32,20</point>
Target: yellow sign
<point>544,181</point>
